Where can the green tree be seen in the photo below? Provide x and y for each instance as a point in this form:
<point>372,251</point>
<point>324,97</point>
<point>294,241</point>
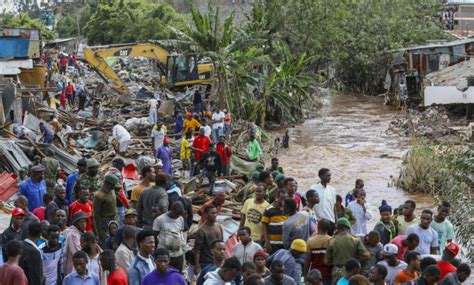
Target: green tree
<point>131,21</point>
<point>22,20</point>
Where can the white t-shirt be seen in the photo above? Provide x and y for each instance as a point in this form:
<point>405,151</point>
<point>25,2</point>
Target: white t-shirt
<point>207,131</point>
<point>392,271</point>
<point>93,264</point>
<point>218,117</point>
<point>120,133</point>
<point>327,199</point>
<point>153,103</point>
<point>428,238</point>
<point>159,136</point>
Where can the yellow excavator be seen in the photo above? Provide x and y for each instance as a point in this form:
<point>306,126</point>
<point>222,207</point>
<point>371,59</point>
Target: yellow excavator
<point>178,70</point>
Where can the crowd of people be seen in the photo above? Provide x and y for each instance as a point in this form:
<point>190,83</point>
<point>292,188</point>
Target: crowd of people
<point>91,233</point>
<point>93,230</point>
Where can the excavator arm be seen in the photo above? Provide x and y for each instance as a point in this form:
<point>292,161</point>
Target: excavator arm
<point>95,56</point>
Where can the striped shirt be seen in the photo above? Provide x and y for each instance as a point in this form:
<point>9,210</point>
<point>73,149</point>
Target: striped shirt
<point>273,216</point>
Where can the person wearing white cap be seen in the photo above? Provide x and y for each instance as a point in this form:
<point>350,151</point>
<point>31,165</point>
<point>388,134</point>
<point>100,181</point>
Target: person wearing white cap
<point>392,263</point>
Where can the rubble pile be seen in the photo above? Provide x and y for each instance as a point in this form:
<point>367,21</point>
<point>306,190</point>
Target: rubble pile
<point>433,123</point>
<point>89,135</point>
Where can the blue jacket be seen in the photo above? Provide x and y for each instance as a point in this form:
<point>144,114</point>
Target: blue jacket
<point>71,181</point>
<point>34,191</point>
<point>138,270</point>
<point>292,265</point>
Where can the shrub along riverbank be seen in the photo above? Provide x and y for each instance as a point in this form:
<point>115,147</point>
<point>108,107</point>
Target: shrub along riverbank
<point>446,172</point>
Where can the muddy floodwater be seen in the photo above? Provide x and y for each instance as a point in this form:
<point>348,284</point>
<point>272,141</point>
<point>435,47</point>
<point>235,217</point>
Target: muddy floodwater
<point>349,136</point>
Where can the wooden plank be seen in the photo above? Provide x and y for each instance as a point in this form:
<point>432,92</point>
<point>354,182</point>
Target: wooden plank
<point>44,89</point>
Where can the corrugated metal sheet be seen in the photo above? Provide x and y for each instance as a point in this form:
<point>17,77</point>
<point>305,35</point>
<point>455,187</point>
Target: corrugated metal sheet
<point>14,47</point>
<point>8,186</point>
<point>13,158</point>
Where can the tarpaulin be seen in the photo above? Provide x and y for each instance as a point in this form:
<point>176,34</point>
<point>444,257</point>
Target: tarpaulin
<point>238,165</point>
<point>130,172</point>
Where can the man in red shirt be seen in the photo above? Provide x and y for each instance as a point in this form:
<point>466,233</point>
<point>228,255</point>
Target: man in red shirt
<point>445,264</point>
<point>83,204</point>
<point>63,63</point>
<point>10,272</point>
<point>405,244</point>
<point>200,144</point>
<point>70,93</point>
<point>117,275</point>
<point>218,201</point>
<point>225,152</point>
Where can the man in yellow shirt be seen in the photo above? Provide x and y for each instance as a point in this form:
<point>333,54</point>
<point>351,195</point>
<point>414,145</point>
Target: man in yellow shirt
<point>148,176</point>
<point>252,213</point>
<point>191,123</point>
<point>185,154</point>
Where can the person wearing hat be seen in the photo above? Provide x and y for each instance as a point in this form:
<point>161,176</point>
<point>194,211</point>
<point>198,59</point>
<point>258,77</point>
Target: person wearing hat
<point>72,239</point>
<point>260,259</point>
<point>191,123</point>
<point>121,134</point>
<point>83,204</point>
<point>105,208</point>
<point>393,265</point>
<point>130,220</point>
<point>290,258</point>
<point>72,178</point>
<point>90,180</point>
<point>385,226</point>
<point>225,151</point>
<point>428,236</point>
<point>463,271</point>
<point>342,247</point>
<point>211,164</point>
<point>450,251</point>
<point>34,187</point>
<point>217,202</point>
<point>13,232</point>
<point>164,153</point>
<point>249,187</point>
<point>122,201</point>
<point>279,179</point>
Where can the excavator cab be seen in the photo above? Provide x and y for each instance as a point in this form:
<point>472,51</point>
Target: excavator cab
<point>182,69</point>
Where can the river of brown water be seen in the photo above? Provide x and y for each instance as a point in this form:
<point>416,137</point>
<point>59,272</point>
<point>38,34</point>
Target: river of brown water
<point>349,136</point>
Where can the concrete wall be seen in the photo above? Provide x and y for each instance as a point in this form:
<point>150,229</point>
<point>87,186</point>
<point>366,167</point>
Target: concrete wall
<point>226,7</point>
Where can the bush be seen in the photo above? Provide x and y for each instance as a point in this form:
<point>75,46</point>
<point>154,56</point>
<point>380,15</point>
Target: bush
<point>444,171</point>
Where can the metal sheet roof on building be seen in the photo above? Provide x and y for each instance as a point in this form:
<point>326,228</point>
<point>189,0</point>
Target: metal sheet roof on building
<point>12,156</point>
<point>8,186</point>
<point>438,45</point>
<point>452,2</point>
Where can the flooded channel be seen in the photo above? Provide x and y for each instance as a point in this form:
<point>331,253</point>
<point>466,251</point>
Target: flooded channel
<point>349,136</point>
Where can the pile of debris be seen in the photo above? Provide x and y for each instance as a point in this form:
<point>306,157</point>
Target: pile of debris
<point>432,123</point>
<point>89,136</point>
